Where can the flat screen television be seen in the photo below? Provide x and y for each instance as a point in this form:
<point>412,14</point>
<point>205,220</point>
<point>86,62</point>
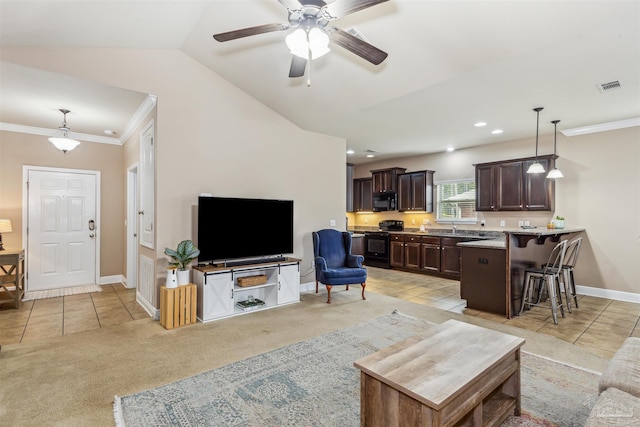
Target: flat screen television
<point>233,228</point>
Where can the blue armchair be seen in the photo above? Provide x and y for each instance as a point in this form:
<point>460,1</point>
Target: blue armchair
<point>335,264</point>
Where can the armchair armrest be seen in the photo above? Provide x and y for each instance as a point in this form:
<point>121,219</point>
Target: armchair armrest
<point>321,263</point>
<point>354,261</point>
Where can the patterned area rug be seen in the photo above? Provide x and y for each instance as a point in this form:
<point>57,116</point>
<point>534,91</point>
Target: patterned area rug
<point>61,292</point>
<point>314,383</point>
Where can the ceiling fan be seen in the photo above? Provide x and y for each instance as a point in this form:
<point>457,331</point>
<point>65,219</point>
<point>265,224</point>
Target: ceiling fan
<point>311,36</point>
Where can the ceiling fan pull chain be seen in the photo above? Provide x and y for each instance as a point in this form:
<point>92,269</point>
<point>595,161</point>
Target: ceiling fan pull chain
<point>308,61</point>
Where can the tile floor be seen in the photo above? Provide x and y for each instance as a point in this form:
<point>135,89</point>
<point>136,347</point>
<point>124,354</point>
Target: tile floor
<point>49,317</point>
<point>600,325</point>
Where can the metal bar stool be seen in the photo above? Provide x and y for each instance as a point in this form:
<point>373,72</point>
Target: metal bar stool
<point>551,275</point>
<point>573,250</point>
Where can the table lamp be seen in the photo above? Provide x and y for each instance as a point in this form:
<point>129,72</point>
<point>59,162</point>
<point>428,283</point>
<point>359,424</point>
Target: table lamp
<point>5,227</point>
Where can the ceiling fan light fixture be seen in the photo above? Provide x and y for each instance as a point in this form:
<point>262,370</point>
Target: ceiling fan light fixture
<point>61,138</point>
<point>300,43</point>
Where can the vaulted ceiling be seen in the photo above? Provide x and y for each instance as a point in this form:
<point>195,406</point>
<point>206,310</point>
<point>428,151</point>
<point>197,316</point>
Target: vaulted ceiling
<point>450,64</point>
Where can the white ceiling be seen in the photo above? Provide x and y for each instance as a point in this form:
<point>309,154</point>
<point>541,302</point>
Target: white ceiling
<point>450,64</point>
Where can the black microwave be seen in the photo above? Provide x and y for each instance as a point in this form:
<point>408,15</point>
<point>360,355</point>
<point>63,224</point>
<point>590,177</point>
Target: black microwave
<point>386,201</point>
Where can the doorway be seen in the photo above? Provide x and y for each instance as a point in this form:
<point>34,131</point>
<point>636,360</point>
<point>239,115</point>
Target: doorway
<point>132,226</point>
<point>62,227</point>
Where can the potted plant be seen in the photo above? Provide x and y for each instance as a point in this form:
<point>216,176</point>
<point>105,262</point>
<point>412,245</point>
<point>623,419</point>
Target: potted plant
<point>182,257</point>
<point>558,222</point>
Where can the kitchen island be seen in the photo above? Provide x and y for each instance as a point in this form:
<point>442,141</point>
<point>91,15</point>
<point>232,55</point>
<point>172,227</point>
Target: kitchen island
<point>493,270</point>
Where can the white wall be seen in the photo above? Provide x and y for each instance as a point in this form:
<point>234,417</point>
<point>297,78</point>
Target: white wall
<point>212,137</point>
<point>600,192</point>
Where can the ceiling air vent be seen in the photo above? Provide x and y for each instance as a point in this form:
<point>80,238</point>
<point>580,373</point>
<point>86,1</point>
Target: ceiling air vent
<point>356,33</point>
<point>605,87</point>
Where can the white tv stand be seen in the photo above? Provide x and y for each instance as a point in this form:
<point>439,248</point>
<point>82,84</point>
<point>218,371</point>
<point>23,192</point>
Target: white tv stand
<point>219,293</point>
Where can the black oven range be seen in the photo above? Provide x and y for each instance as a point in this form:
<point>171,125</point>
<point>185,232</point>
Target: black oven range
<point>376,253</point>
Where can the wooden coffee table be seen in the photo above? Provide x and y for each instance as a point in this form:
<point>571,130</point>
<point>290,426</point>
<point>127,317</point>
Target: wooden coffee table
<point>455,373</point>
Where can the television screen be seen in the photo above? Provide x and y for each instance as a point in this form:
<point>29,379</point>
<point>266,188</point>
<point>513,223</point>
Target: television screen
<point>230,228</point>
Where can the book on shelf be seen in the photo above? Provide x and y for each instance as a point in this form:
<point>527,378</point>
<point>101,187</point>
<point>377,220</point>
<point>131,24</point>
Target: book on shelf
<point>249,305</point>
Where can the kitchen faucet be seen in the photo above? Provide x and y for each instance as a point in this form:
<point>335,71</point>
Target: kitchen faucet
<point>454,228</point>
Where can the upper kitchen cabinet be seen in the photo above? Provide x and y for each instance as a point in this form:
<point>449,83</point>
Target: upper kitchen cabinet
<point>386,179</point>
<point>415,191</point>
<point>506,186</point>
<point>362,195</point>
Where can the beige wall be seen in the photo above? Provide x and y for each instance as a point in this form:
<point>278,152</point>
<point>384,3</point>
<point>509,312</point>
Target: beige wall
<point>18,150</point>
<point>212,137</point>
<point>600,192</point>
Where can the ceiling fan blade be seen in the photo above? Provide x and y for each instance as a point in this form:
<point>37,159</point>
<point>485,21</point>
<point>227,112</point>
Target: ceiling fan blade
<point>291,4</point>
<point>251,31</point>
<point>341,8</point>
<point>298,65</point>
<point>355,45</point>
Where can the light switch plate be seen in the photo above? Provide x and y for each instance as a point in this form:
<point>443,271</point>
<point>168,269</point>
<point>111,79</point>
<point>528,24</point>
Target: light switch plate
<point>502,223</point>
<point>332,222</point>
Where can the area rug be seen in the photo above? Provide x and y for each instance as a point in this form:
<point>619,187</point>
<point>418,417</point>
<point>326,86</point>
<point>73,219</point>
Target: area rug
<point>61,292</point>
<point>314,383</point>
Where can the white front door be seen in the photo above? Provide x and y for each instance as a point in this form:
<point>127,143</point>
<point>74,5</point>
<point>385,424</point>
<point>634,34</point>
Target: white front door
<point>62,229</point>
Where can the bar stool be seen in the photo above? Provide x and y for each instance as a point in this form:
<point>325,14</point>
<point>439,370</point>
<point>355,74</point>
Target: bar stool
<point>573,250</point>
<point>551,275</point>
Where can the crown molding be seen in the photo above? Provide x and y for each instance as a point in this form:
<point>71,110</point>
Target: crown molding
<point>32,130</point>
<point>602,127</point>
<point>136,120</point>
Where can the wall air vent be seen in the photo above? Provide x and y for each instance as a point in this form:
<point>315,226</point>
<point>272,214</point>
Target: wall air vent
<point>356,33</point>
<point>606,87</point>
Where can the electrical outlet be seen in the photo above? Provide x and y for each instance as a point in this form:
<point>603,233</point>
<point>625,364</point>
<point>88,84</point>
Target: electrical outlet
<point>527,223</point>
<point>366,220</point>
<point>520,223</point>
<point>332,223</point>
<point>426,221</point>
<point>482,223</point>
<point>413,221</point>
<point>502,223</point>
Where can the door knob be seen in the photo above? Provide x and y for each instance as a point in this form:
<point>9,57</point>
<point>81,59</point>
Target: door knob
<point>92,235</point>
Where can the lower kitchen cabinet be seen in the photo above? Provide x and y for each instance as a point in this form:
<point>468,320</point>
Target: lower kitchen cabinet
<point>483,279</point>
<point>427,254</point>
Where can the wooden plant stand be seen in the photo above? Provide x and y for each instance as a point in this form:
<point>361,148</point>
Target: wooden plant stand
<point>178,306</point>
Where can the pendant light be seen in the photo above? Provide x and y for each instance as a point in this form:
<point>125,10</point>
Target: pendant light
<point>61,138</point>
<point>555,172</point>
<point>536,167</point>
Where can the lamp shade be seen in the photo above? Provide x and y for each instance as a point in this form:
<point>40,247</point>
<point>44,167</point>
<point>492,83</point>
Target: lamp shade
<point>300,43</point>
<point>535,167</point>
<point>5,226</point>
<point>61,138</point>
<point>555,174</point>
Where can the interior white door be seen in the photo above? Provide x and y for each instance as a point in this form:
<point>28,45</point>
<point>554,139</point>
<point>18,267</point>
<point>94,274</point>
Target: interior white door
<point>62,229</point>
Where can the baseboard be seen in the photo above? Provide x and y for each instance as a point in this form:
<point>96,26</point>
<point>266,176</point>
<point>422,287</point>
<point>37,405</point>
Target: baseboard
<point>309,286</point>
<point>148,307</point>
<point>108,280</point>
<point>608,293</point>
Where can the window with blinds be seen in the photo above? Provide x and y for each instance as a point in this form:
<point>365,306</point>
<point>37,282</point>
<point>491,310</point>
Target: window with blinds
<point>456,201</point>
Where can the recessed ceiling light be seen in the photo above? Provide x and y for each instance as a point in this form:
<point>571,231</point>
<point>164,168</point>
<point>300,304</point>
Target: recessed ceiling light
<point>370,155</point>
<point>450,149</point>
<point>497,131</point>
<point>350,151</point>
<point>110,132</point>
<point>479,124</point>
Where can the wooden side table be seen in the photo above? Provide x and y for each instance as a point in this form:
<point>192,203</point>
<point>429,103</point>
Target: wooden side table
<point>178,306</point>
<point>455,373</point>
<point>12,276</point>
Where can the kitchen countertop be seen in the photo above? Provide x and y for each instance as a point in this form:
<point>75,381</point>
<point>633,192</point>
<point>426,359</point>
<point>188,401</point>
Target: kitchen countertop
<point>487,244</point>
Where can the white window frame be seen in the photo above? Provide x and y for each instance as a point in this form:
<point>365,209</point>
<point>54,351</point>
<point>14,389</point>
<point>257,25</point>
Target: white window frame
<point>438,201</point>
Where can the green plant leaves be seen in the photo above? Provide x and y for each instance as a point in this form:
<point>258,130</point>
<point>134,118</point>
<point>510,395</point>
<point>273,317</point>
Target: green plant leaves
<point>183,254</point>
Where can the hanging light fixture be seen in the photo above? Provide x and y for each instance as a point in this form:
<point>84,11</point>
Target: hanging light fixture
<point>555,172</point>
<point>61,138</point>
<point>301,42</point>
<point>536,167</point>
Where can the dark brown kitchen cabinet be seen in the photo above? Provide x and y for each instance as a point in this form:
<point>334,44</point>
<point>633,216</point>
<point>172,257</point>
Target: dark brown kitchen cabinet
<point>483,280</point>
<point>506,186</point>
<point>415,191</point>
<point>396,250</point>
<point>431,254</point>
<point>385,179</point>
<point>362,195</point>
<point>405,251</point>
<point>450,257</point>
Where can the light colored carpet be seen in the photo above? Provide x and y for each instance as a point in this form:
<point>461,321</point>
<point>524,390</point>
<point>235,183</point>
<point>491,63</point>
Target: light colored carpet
<point>71,380</point>
<point>61,292</point>
<point>314,383</point>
